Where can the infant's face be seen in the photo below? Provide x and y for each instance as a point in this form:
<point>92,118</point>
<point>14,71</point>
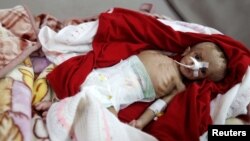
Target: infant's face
<point>203,54</point>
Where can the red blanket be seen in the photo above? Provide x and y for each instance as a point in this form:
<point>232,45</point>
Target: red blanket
<point>123,33</point>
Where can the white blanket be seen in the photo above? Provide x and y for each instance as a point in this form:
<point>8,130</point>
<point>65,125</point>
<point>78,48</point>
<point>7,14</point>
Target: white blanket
<point>96,123</point>
<point>83,118</point>
<point>231,104</point>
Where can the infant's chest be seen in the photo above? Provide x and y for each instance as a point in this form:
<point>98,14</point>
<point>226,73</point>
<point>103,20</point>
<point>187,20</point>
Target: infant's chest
<point>163,76</point>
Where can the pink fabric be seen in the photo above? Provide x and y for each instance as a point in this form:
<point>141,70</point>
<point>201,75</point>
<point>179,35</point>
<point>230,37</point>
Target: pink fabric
<point>20,42</point>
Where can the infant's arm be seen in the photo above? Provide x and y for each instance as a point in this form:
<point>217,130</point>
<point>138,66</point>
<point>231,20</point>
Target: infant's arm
<point>150,114</point>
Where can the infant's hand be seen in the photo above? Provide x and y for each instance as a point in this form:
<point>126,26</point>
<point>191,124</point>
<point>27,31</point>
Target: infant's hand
<point>43,108</point>
<point>136,123</point>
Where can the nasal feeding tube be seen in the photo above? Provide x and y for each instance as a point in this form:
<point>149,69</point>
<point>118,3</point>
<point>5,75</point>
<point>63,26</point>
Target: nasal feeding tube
<point>196,66</point>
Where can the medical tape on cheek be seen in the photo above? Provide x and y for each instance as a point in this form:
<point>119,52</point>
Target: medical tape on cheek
<point>196,66</point>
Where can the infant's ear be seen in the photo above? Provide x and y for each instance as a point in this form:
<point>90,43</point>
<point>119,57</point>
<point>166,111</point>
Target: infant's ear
<point>188,49</point>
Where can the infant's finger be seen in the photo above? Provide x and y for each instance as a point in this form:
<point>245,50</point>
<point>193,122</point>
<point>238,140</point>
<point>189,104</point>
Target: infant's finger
<point>45,114</point>
<point>46,105</point>
<point>44,119</point>
<point>43,105</point>
<point>38,106</point>
<point>132,123</point>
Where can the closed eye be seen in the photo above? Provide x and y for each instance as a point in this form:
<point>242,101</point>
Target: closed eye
<point>197,57</point>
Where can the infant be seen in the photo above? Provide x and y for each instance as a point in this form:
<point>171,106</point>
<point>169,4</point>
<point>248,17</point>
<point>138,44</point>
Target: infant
<point>151,75</point>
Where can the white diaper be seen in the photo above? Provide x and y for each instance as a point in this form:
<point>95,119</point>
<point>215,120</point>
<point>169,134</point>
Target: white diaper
<point>121,84</point>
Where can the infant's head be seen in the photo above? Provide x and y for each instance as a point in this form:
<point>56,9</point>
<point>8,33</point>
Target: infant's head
<point>204,52</point>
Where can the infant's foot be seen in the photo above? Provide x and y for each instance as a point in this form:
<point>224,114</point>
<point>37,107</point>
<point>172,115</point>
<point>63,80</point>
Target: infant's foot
<point>43,108</point>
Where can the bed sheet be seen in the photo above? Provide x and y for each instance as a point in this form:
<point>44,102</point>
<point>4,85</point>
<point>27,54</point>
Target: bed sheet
<point>25,83</point>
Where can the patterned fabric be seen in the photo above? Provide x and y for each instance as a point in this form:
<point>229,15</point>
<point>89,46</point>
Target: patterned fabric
<point>17,38</point>
<point>17,20</point>
<point>20,87</point>
<point>15,103</point>
<point>23,70</point>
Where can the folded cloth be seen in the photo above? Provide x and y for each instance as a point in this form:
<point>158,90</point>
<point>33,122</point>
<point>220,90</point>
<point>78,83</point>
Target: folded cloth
<point>82,117</point>
<point>70,41</point>
<point>123,33</point>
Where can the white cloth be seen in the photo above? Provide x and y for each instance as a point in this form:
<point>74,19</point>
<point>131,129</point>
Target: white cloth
<point>232,103</point>
<point>97,124</point>
<point>72,40</point>
<point>82,117</point>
